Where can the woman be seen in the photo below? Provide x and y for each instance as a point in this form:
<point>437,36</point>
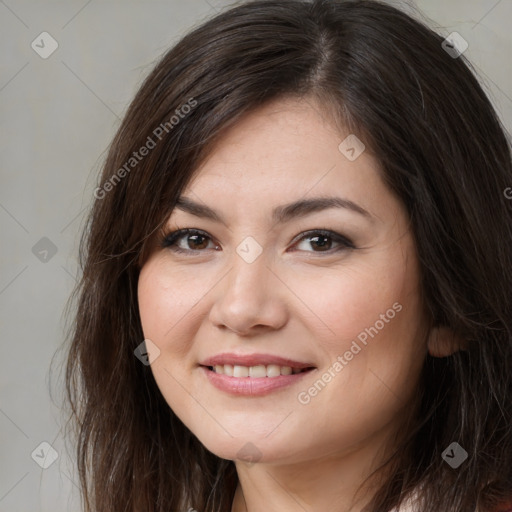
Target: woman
<point>297,274</point>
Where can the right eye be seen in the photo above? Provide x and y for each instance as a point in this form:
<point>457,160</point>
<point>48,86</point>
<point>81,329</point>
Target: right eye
<point>195,239</point>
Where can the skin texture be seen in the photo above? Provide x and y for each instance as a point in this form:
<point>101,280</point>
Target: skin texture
<point>295,300</point>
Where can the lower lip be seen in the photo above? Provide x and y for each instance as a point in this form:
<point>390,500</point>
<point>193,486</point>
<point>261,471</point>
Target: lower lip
<point>251,386</point>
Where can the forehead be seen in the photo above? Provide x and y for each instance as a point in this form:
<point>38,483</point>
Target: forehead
<point>289,145</point>
<point>283,151</point>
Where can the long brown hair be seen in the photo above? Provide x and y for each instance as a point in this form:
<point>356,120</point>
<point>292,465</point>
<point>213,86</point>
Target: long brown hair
<point>388,78</point>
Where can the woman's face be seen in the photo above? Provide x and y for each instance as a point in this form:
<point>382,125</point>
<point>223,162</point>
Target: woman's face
<point>261,282</point>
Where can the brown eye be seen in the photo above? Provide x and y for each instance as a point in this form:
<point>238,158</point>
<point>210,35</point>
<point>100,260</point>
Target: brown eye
<point>197,241</point>
<point>323,241</point>
<point>194,240</point>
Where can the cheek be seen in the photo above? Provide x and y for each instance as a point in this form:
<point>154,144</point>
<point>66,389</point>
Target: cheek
<point>371,314</point>
<point>380,293</point>
<point>372,350</point>
<point>166,306</point>
<point>374,345</point>
<point>168,301</point>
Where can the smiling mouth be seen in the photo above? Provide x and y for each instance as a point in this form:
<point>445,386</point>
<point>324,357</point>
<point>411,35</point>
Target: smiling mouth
<point>257,371</point>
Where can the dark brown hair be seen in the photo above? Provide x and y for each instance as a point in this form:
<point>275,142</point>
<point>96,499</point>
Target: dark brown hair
<point>422,113</point>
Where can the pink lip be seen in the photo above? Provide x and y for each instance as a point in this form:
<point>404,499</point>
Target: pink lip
<point>250,386</point>
<point>253,360</point>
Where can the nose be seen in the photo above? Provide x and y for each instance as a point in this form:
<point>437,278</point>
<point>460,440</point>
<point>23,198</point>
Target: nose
<point>249,299</point>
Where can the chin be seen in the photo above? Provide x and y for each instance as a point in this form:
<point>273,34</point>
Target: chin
<point>250,449</point>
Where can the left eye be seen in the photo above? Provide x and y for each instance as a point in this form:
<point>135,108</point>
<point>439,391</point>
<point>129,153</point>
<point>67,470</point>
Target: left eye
<point>323,239</point>
<point>197,240</point>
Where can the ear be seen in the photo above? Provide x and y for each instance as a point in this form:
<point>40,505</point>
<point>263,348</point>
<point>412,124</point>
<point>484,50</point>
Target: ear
<point>443,342</point>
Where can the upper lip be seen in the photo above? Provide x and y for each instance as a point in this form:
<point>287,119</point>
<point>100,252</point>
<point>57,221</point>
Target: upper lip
<point>253,360</point>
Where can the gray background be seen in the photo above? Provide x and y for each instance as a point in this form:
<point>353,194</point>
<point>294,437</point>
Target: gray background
<point>58,116</point>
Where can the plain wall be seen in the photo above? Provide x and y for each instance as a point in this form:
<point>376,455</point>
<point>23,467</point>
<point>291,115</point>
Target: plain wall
<point>58,116</point>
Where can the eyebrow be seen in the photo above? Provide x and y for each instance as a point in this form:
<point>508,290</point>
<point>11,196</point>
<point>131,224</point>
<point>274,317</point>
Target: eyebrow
<point>280,214</point>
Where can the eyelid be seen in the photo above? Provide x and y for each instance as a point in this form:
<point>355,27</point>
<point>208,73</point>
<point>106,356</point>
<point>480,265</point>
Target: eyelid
<point>337,237</point>
<point>169,239</point>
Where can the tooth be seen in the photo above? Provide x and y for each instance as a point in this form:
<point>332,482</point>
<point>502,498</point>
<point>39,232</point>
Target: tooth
<point>273,370</point>
<point>257,371</point>
<point>240,371</point>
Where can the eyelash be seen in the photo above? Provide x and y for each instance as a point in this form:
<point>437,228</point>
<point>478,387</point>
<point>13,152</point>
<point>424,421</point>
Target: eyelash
<point>169,240</point>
